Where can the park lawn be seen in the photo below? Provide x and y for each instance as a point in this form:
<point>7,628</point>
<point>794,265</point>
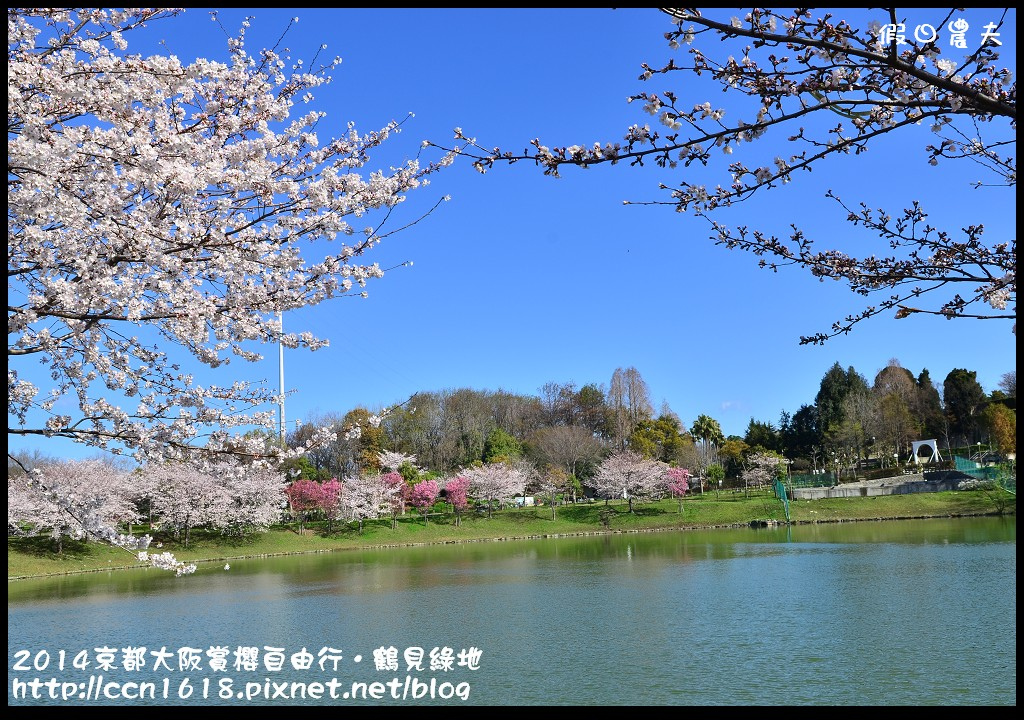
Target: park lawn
<point>952,503</point>
<point>30,557</point>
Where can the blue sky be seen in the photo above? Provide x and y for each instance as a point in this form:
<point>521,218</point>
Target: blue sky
<point>523,279</point>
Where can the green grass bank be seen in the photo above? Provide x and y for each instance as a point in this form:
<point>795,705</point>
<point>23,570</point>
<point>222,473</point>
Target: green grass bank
<point>34,557</point>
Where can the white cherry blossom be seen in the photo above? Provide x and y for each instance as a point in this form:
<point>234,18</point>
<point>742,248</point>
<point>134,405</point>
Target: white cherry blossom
<point>156,204</point>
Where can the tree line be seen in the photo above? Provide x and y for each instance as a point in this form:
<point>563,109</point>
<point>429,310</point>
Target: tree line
<point>574,428</point>
<point>475,448</point>
<point>174,200</point>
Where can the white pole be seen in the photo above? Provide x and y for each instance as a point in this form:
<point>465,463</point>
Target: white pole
<point>280,364</point>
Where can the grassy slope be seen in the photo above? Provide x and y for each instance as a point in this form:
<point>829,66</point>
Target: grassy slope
<point>36,556</point>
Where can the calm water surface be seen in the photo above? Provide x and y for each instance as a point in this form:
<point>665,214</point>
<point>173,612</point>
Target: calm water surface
<point>917,612</point>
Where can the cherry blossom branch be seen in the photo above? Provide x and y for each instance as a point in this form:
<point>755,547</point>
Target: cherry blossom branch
<point>146,193</point>
<point>798,70</point>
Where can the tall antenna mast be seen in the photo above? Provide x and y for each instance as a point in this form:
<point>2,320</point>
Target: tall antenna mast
<point>280,365</point>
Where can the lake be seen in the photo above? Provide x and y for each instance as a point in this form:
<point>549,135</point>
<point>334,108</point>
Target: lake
<point>910,612</point>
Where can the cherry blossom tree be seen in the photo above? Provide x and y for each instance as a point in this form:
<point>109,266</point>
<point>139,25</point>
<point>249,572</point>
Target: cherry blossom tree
<point>234,499</point>
<point>495,483</point>
<point>368,496</point>
<point>395,485</point>
<point>256,500</point>
<point>391,461</point>
<point>26,507</point>
<point>760,469</point>
<point>835,87</point>
<point>187,497</point>
<point>678,483</point>
<point>551,482</point>
<point>84,500</point>
<point>630,475</point>
<point>95,494</point>
<point>156,210</point>
<point>457,492</point>
<point>142,488</point>
<point>422,496</point>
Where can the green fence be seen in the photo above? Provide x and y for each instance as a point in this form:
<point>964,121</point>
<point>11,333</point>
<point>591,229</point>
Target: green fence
<point>1004,475</point>
<point>807,480</point>
<point>780,493</point>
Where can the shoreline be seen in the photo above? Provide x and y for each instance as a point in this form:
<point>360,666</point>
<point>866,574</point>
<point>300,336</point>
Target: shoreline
<point>510,538</point>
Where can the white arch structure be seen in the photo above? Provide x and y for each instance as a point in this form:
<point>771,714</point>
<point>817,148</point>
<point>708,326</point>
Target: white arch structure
<point>933,457</point>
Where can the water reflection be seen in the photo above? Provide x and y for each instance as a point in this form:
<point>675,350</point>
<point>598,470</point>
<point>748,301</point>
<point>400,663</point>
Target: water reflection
<point>396,569</point>
<point>851,613</point>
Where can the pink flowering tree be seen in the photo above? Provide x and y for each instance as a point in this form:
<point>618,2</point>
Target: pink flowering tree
<point>423,495</point>
<point>830,87</point>
<point>495,483</point>
<point>162,215</point>
<point>457,493</point>
<point>25,506</point>
<point>304,497</point>
<point>631,476</point>
<point>678,480</point>
<point>329,500</point>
